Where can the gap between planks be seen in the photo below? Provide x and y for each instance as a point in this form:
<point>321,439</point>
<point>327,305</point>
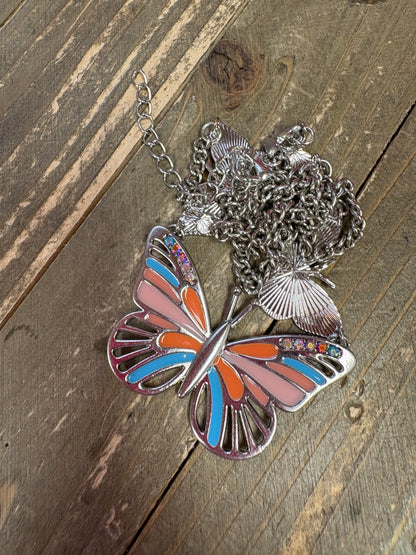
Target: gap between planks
<point>161,497</point>
<point>362,188</point>
<point>12,14</point>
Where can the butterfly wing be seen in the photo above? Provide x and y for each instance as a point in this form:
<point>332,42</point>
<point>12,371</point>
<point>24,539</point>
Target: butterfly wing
<point>168,284</point>
<point>152,348</point>
<point>240,392</point>
<point>291,369</point>
<point>294,295</point>
<point>235,425</point>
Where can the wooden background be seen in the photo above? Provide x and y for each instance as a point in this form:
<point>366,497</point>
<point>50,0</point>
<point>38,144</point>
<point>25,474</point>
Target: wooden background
<point>87,466</point>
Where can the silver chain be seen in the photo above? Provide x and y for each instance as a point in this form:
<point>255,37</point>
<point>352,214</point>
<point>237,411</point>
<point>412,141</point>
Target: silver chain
<point>192,184</point>
<point>151,138</point>
<point>273,205</point>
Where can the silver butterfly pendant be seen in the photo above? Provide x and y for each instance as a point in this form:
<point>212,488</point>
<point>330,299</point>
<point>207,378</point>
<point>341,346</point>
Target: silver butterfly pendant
<point>234,387</point>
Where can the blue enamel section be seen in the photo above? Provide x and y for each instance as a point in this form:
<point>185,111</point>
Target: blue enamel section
<point>305,369</point>
<point>163,271</point>
<point>215,422</point>
<point>164,361</point>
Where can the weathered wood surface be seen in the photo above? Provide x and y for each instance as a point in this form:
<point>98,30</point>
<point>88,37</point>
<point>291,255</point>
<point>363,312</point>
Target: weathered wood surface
<point>56,167</point>
<point>87,466</point>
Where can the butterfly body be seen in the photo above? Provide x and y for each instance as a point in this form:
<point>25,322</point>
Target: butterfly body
<point>235,387</point>
<point>210,351</point>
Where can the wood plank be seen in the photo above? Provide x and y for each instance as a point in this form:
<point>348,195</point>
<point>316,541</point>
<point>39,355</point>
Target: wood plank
<point>285,499</point>
<point>23,45</point>
<point>385,475</point>
<point>74,145</point>
<point>95,460</point>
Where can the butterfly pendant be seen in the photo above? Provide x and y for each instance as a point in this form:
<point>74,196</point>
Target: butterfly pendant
<point>235,387</point>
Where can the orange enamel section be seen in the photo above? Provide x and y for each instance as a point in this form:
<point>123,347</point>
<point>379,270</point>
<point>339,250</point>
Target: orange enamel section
<point>256,391</point>
<point>265,351</point>
<point>194,305</point>
<point>232,380</point>
<point>175,340</point>
<point>153,277</point>
<point>293,376</point>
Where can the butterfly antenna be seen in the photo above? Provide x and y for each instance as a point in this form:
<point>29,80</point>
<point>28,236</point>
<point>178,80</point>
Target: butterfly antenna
<point>232,303</point>
<point>242,314</point>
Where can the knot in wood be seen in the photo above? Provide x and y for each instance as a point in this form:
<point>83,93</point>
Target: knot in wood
<point>233,70</point>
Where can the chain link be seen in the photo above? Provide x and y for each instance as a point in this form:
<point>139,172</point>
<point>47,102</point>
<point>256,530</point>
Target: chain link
<point>290,207</point>
<point>151,138</point>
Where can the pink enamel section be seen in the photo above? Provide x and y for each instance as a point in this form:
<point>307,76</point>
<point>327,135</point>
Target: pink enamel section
<point>153,277</point>
<point>283,391</point>
<point>292,375</point>
<point>151,297</point>
<point>161,322</point>
<point>256,391</point>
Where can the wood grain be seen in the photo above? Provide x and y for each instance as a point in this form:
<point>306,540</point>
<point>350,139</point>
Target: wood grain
<point>91,149</point>
<point>86,465</point>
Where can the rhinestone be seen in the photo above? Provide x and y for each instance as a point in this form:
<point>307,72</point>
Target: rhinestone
<point>334,351</point>
<point>287,343</point>
<point>299,344</point>
<point>168,240</point>
<point>190,277</point>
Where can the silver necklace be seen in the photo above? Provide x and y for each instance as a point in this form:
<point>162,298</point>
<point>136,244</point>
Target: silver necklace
<point>286,220</point>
